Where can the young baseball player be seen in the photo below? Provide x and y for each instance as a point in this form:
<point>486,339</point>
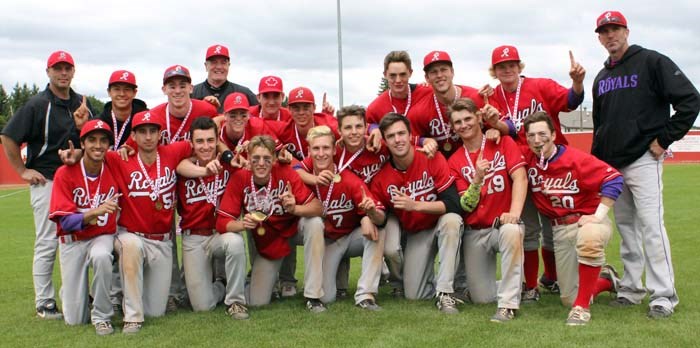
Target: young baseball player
<point>122,106</point>
<point>282,212</point>
<point>575,190</point>
<point>270,97</point>
<point>84,207</point>
<point>421,193</point>
<point>350,216</point>
<point>517,97</point>
<point>44,115</point>
<point>632,97</point>
<point>238,127</point>
<point>198,199</point>
<point>217,87</point>
<point>147,180</point>
<point>494,226</point>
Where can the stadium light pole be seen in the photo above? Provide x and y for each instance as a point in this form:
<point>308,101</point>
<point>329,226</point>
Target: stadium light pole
<point>340,57</point>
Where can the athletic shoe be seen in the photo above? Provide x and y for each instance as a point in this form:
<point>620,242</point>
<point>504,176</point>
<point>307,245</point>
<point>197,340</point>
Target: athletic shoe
<point>131,327</point>
<point>530,296</point>
<point>659,312</point>
<point>447,304</point>
<point>609,273</point>
<point>238,311</point>
<point>397,293</point>
<point>621,302</point>
<point>369,305</point>
<point>315,305</point>
<point>462,295</point>
<point>550,285</point>
<point>49,311</point>
<point>289,290</point>
<point>104,328</point>
<point>503,315</point>
<point>172,305</point>
<point>578,316</point>
<point>341,294</point>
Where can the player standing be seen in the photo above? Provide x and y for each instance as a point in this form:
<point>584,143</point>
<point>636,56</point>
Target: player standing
<point>497,170</point>
<point>632,127</point>
<point>518,97</point>
<point>122,106</point>
<point>270,96</point>
<point>217,87</point>
<point>421,193</point>
<point>575,190</point>
<point>46,123</point>
<point>84,207</point>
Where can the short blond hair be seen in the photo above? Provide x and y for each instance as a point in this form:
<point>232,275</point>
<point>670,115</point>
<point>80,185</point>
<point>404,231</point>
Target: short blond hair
<point>264,141</point>
<point>319,131</point>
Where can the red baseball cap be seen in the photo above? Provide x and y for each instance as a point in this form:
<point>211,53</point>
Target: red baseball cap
<point>236,101</point>
<point>122,76</point>
<point>174,71</point>
<point>300,95</point>
<point>94,126</point>
<point>435,57</point>
<point>505,53</point>
<point>270,84</point>
<point>610,17</point>
<point>59,57</point>
<point>144,118</point>
<point>217,50</point>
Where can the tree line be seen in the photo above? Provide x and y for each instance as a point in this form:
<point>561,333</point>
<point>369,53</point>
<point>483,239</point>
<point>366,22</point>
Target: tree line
<point>10,103</point>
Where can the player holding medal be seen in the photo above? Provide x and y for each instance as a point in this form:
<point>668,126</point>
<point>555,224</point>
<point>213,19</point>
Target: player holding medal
<point>282,212</point>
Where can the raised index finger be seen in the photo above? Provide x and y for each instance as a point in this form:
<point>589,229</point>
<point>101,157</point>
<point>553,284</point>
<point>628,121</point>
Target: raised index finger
<point>324,98</point>
<point>571,58</point>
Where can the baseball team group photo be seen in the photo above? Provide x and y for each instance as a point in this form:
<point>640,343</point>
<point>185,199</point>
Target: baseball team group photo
<point>275,215</point>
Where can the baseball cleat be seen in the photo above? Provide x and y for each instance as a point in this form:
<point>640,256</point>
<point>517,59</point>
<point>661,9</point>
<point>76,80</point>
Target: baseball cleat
<point>171,306</point>
<point>446,303</point>
<point>549,285</point>
<point>609,273</point>
<point>238,311</point>
<point>369,305</point>
<point>397,293</point>
<point>503,315</point>
<point>530,296</point>
<point>341,294</point>
<point>621,302</point>
<point>315,305</point>
<point>289,290</point>
<point>131,327</point>
<point>462,295</point>
<point>578,316</point>
<point>49,311</point>
<point>659,312</point>
<point>104,328</point>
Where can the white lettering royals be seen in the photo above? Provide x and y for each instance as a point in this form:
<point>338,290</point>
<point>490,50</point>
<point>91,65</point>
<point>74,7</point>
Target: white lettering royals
<point>83,200</point>
<point>141,186</point>
<point>341,205</point>
<point>415,189</point>
<point>195,192</point>
<point>552,185</point>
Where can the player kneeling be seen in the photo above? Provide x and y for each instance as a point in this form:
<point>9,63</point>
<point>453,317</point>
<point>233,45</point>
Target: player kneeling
<point>198,199</point>
<point>348,231</point>
<point>575,190</point>
<point>84,206</point>
<point>496,172</point>
<point>271,200</point>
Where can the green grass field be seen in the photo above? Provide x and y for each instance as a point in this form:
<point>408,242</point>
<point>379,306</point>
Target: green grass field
<point>402,323</point>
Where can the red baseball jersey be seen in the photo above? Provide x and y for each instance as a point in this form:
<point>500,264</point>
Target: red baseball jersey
<point>495,197</point>
<point>366,165</point>
<point>384,104</point>
<point>195,210</point>
<point>139,212</point>
<point>536,94</point>
<point>287,134</point>
<point>422,180</point>
<point>570,184</point>
<point>425,120</point>
<point>69,196</point>
<point>283,115</point>
<point>342,214</point>
<point>240,199</point>
<point>176,130</point>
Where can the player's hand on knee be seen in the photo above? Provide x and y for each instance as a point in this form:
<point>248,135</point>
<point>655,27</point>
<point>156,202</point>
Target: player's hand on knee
<point>33,177</point>
<point>508,218</point>
<point>586,219</point>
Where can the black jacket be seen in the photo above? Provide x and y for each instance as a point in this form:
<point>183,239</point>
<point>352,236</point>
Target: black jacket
<point>631,101</point>
<point>204,89</point>
<point>137,105</point>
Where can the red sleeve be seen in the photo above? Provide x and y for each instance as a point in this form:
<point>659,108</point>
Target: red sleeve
<point>181,149</point>
<point>456,171</point>
<point>473,94</point>
<point>555,95</point>
<point>301,192</point>
<point>62,203</point>
<point>597,171</point>
<point>514,158</point>
<point>377,189</point>
<point>440,171</point>
<point>231,201</point>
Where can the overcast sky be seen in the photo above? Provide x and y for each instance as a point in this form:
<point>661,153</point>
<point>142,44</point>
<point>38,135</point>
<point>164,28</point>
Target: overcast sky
<point>297,40</point>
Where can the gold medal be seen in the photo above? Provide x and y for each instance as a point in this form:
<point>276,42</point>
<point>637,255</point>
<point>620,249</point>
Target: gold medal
<point>336,178</point>
<point>93,221</point>
<point>447,146</point>
<point>258,216</point>
<point>261,231</point>
<point>159,205</point>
